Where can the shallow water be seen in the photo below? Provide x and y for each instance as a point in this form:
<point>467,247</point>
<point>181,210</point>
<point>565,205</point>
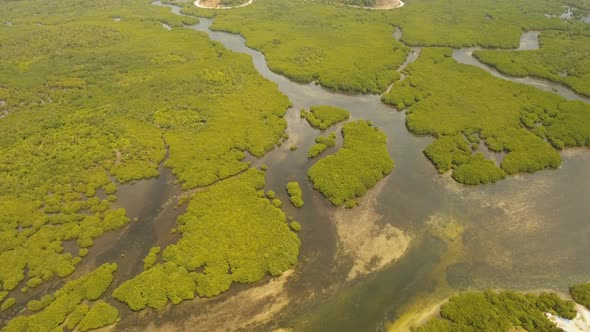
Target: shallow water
<point>527,232</point>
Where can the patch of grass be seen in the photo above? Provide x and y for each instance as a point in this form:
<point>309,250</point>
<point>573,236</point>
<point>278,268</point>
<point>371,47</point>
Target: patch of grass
<point>8,304</point>
<point>464,23</point>
<point>100,315</point>
<point>151,258</point>
<point>295,194</point>
<point>156,286</point>
<point>562,58</point>
<point>581,294</point>
<point>66,301</point>
<point>358,166</point>
<point>322,143</point>
<point>459,103</point>
<point>503,311</point>
<point>322,117</point>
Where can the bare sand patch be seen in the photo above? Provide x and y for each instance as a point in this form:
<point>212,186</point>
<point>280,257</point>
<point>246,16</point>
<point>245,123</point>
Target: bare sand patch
<point>370,245</point>
<point>216,4</point>
<point>382,5</point>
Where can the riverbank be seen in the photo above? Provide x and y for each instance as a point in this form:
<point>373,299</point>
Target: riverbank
<point>382,5</point>
<point>215,4</point>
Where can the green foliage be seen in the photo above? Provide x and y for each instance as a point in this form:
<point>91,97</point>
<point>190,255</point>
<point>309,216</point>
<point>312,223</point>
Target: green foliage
<point>358,166</point>
<point>454,102</point>
<point>295,226</point>
<point>276,203</point>
<point>463,23</point>
<point>504,311</point>
<point>156,286</point>
<point>581,294</point>
<point>295,194</point>
<point>270,194</point>
<point>66,300</point>
<point>323,117</point>
<point>76,316</point>
<point>36,305</point>
<point>8,304</point>
<point>293,147</point>
<point>342,48</point>
<point>151,258</point>
<point>236,235</point>
<point>100,315</point>
<point>563,58</point>
<point>322,143</point>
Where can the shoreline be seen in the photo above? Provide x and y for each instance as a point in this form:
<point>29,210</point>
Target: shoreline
<point>197,4</point>
<point>400,4</point>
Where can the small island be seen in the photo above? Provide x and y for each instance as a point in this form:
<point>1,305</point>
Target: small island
<point>321,144</point>
<point>358,166</point>
<point>322,117</point>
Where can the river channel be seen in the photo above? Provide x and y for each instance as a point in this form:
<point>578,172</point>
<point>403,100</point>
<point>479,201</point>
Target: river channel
<point>415,239</point>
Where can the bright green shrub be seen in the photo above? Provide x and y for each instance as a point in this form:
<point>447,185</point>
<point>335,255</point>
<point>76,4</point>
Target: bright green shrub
<point>276,203</point>
<point>581,294</point>
<point>358,166</point>
<point>503,311</point>
<point>295,226</point>
<point>76,316</point>
<point>156,286</point>
<point>8,304</point>
<point>322,143</point>
<point>89,287</point>
<point>316,149</point>
<point>322,117</point>
<point>151,258</point>
<point>295,194</point>
<point>101,314</point>
<point>36,305</point>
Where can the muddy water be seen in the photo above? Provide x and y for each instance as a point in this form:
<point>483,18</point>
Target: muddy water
<point>528,41</point>
<point>528,232</point>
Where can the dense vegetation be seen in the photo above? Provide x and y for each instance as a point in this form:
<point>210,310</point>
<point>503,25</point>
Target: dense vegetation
<point>321,144</point>
<point>66,301</point>
<point>462,105</point>
<point>581,294</point>
<point>88,102</point>
<point>231,232</point>
<point>295,194</point>
<point>340,47</point>
<point>463,23</point>
<point>322,117</point>
<point>362,161</point>
<point>563,57</point>
<point>100,315</point>
<point>502,312</point>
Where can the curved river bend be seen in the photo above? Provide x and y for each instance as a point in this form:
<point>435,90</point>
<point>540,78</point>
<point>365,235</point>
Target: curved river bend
<point>528,232</point>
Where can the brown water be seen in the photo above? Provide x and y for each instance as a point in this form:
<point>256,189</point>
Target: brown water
<point>528,232</point>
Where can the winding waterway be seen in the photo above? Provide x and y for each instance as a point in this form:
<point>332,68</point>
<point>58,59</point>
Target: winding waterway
<point>528,232</point>
<point>528,41</point>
